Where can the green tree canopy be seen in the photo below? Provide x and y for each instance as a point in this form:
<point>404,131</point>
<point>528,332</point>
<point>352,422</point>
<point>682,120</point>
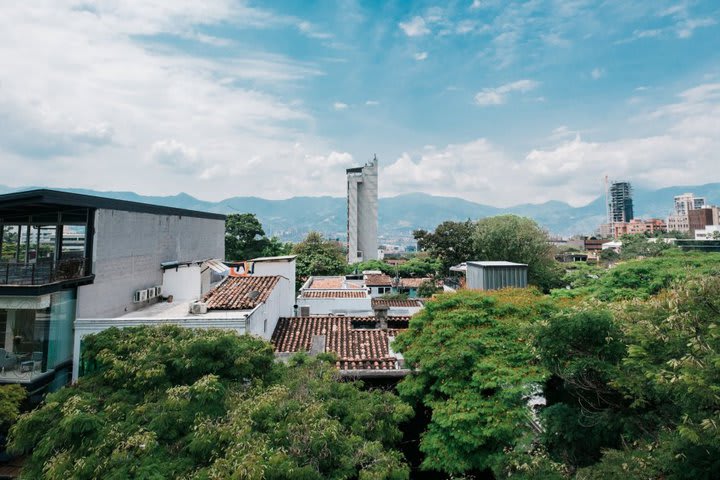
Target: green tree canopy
<point>244,237</point>
<point>451,243</point>
<point>475,369</point>
<point>521,240</point>
<point>318,256</point>
<point>178,403</point>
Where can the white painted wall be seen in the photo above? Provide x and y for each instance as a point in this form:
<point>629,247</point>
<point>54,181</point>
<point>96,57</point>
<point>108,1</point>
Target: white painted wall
<point>128,248</point>
<point>263,320</point>
<point>183,282</point>
<point>285,269</point>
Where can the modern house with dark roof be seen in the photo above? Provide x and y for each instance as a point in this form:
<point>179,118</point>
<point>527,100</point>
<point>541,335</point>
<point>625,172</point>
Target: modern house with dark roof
<point>65,256</point>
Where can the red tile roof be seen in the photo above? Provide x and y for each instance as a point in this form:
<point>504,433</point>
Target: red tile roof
<point>334,294</point>
<point>355,348</point>
<point>240,293</point>
<point>410,302</point>
<point>375,280</point>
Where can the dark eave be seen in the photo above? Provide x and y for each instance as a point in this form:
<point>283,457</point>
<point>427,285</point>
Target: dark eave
<point>44,199</point>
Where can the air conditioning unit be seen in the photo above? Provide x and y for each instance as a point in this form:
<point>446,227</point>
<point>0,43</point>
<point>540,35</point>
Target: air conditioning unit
<point>151,293</point>
<point>158,290</point>
<point>198,308</point>
<point>140,296</point>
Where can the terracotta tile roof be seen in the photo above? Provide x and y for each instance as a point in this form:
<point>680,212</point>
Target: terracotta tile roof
<point>410,302</point>
<point>240,293</point>
<point>334,283</point>
<point>334,294</point>
<point>355,348</point>
<point>375,280</point>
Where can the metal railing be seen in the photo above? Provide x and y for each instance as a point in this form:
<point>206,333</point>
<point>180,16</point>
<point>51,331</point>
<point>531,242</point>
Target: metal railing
<point>41,272</point>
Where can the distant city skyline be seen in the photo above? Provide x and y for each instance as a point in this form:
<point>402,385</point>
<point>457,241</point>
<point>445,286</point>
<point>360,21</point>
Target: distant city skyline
<point>497,102</point>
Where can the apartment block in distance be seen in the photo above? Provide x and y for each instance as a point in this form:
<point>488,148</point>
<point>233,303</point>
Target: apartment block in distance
<point>362,212</point>
<point>679,221</point>
<point>67,256</point>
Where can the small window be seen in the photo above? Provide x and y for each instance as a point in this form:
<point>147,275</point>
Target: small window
<point>265,325</point>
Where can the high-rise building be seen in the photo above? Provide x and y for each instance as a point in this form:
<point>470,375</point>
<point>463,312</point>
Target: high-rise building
<point>620,204</point>
<point>362,219</point>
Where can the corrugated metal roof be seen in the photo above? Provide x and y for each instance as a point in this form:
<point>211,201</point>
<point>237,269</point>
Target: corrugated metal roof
<point>500,263</point>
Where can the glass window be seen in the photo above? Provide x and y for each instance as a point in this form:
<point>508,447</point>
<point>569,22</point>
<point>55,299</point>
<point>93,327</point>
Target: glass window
<point>9,243</point>
<point>35,341</point>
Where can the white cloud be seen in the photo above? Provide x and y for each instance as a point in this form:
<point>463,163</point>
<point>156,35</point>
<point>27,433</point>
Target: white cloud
<point>685,28</point>
<point>175,156</point>
<point>372,103</point>
<point>597,73</point>
<point>420,56</point>
<point>476,4</point>
<point>415,27</point>
<point>498,95</point>
<point>340,106</point>
<point>109,97</point>
<point>309,30</point>
<point>572,167</point>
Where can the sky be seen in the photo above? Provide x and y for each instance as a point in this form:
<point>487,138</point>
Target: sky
<point>497,101</point>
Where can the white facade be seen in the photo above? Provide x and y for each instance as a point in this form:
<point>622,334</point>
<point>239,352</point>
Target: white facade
<point>362,200</point>
<point>128,248</point>
<point>711,232</point>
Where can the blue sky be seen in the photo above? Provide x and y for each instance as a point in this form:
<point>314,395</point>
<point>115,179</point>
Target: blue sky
<point>501,102</point>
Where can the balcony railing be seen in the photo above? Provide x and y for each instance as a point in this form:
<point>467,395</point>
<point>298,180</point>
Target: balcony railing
<point>42,272</point>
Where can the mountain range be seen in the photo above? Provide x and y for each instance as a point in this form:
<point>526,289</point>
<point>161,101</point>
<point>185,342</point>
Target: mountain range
<point>292,218</point>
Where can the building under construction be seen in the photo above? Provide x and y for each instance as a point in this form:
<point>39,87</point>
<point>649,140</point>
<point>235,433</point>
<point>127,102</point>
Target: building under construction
<point>620,204</point>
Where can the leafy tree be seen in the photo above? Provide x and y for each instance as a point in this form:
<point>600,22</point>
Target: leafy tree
<point>634,246</point>
<point>475,368</point>
<point>318,256</point>
<point>178,403</point>
<point>428,288</point>
<point>451,243</point>
<point>420,266</point>
<point>518,239</point>
<point>275,247</point>
<point>379,265</point>
<point>11,396</point>
<point>244,237</point>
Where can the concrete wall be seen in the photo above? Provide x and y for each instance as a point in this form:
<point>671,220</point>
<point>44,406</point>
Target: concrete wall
<point>363,213</point>
<point>128,248</point>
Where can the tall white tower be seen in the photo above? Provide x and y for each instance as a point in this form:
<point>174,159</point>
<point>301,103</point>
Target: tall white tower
<point>362,201</point>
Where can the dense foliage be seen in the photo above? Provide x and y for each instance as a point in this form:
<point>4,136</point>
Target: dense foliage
<point>451,242</point>
<point>417,266</point>
<point>318,256</point>
<point>637,278</point>
<point>627,361</point>
<point>245,239</point>
<point>476,368</point>
<point>175,403</point>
